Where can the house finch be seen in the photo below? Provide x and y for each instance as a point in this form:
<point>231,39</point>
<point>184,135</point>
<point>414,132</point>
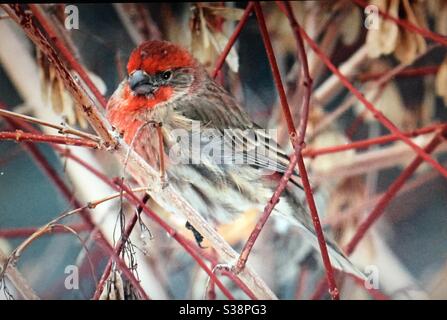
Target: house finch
<point>227,164</point>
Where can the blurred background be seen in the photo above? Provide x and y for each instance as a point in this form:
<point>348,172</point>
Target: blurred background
<point>407,244</point>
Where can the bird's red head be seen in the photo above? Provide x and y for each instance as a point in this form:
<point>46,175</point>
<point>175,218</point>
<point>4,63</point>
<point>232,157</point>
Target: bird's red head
<point>158,56</point>
<point>158,71</point>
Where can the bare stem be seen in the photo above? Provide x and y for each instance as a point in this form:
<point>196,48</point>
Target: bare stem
<point>63,129</point>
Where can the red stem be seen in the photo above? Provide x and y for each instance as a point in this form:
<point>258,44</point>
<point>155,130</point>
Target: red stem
<point>19,135</point>
<point>285,178</point>
<point>297,144</point>
<point>302,279</point>
<point>383,202</point>
<point>131,197</point>
<point>356,124</point>
<point>368,142</point>
<point>391,192</point>
<point>232,39</point>
<point>118,250</point>
<point>27,231</point>
<point>307,83</point>
<point>377,114</point>
<point>62,187</point>
<point>408,72</point>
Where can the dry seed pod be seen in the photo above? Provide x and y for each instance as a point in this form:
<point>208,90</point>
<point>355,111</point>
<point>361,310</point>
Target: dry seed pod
<point>383,40</point>
<point>114,289</point>
<point>441,81</point>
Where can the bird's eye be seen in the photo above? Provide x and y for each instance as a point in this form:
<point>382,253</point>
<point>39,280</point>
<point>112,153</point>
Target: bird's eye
<point>166,75</point>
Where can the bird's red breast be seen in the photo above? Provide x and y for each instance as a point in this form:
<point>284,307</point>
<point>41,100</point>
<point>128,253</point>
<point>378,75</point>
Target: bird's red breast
<point>132,102</point>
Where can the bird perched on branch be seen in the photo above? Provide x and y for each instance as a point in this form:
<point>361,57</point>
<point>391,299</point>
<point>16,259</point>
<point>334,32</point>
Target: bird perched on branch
<point>211,152</point>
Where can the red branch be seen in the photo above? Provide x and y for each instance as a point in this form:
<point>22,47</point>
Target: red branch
<point>384,201</point>
<point>377,114</point>
<point>306,81</point>
<point>232,39</point>
<point>111,250</point>
<point>27,231</point>
<point>293,161</point>
<point>391,192</point>
<point>183,242</point>
<point>131,197</point>
<point>361,144</point>
<point>408,72</point>
<point>297,144</point>
<point>19,135</point>
<point>62,187</point>
<point>118,250</point>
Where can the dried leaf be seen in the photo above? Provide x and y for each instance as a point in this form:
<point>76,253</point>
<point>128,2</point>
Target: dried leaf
<point>98,82</point>
<point>344,202</point>
<point>204,30</point>
<point>200,42</point>
<point>441,82</point>
<point>57,91</point>
<point>207,44</point>
<point>411,44</point>
<point>351,26</point>
<point>80,118</point>
<point>228,13</point>
<point>175,28</point>
<point>441,19</point>
<point>114,290</point>
<point>406,49</point>
<point>44,72</point>
<point>391,104</point>
<point>329,138</point>
<point>384,39</point>
<point>219,40</point>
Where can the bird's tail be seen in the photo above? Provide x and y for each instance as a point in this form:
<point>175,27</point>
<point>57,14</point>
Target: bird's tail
<point>337,257</point>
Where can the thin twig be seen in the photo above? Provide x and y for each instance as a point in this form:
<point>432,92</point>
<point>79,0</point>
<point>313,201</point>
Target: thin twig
<point>232,39</point>
<point>17,279</point>
<point>133,199</point>
<point>19,135</point>
<point>377,114</point>
<point>361,144</point>
<point>297,143</point>
<point>62,187</point>
<point>391,192</point>
<point>63,129</point>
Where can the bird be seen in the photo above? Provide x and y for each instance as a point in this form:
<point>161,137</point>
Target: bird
<point>211,152</point>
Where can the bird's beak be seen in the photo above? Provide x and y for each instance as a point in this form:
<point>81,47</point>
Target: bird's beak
<point>141,83</point>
